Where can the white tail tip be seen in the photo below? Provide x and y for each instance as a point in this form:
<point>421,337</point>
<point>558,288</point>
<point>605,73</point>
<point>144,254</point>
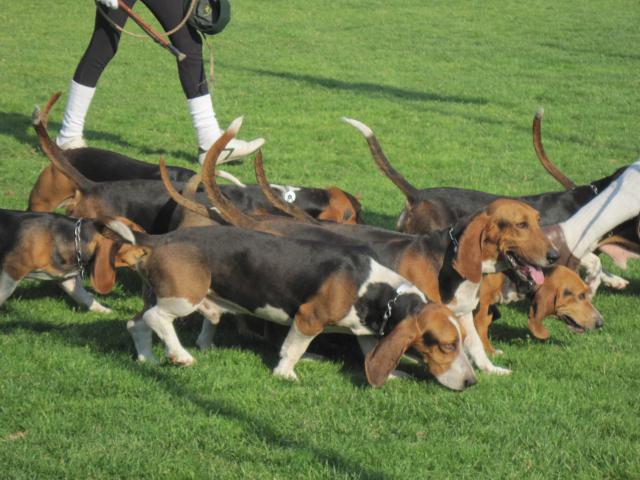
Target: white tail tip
<point>540,112</point>
<point>234,127</point>
<point>366,131</point>
<point>35,116</point>
<point>122,230</point>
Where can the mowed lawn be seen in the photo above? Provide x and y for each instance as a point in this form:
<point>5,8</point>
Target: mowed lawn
<point>450,88</point>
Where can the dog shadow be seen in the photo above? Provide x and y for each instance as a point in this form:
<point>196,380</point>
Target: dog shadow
<point>378,219</point>
<point>107,337</point>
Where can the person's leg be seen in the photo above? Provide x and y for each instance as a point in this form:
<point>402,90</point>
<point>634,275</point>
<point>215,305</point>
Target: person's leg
<point>101,49</point>
<point>194,82</point>
<point>617,203</point>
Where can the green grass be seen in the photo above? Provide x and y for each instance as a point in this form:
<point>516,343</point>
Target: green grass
<point>450,88</point>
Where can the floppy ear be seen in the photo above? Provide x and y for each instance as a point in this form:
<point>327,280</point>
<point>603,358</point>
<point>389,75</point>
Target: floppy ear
<point>103,275</point>
<point>543,304</point>
<point>468,262</point>
<point>381,361</point>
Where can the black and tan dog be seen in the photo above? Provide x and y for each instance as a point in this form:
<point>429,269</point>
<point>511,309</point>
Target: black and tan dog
<point>85,168</point>
<point>308,285</point>
<point>447,266</point>
<point>49,246</point>
<point>432,209</point>
<point>562,295</point>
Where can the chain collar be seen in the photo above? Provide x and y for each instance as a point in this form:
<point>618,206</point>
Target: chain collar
<point>594,189</point>
<point>78,246</point>
<point>454,240</point>
<point>402,289</point>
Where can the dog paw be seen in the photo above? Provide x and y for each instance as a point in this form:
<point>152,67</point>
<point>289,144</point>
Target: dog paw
<point>398,374</point>
<point>149,359</point>
<point>313,357</point>
<point>98,308</point>
<point>182,359</point>
<point>495,370</point>
<point>285,373</point>
<point>614,281</point>
<point>205,344</point>
<point>497,352</point>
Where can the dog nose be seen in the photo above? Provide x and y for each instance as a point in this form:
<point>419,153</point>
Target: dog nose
<point>599,322</point>
<point>468,382</point>
<point>553,255</point>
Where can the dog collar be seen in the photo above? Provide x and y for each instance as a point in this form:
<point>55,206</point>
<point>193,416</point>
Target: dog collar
<point>403,288</point>
<point>78,246</point>
<point>454,240</point>
<point>594,189</point>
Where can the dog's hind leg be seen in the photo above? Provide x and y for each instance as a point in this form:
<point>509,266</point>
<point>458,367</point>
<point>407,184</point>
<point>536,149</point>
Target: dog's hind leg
<point>294,346</point>
<point>212,313</point>
<point>160,318</point>
<point>74,288</point>
<point>7,286</point>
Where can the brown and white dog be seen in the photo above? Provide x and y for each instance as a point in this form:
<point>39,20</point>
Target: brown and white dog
<point>447,266</point>
<point>49,246</point>
<point>563,295</point>
<point>309,285</point>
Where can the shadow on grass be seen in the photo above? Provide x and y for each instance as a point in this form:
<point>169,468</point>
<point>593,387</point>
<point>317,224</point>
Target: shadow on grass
<point>370,89</point>
<point>379,219</point>
<point>110,336</point>
<point>18,126</point>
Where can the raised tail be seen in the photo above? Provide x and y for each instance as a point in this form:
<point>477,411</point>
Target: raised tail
<point>276,200</point>
<point>53,152</point>
<point>183,200</point>
<point>542,156</point>
<point>381,160</point>
<point>227,210</point>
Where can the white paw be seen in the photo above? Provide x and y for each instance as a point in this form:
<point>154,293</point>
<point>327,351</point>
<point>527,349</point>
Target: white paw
<point>286,373</point>
<point>398,374</point>
<point>313,357</point>
<point>498,352</point>
<point>494,370</point>
<point>150,359</point>
<point>614,281</point>
<point>96,307</point>
<point>183,359</point>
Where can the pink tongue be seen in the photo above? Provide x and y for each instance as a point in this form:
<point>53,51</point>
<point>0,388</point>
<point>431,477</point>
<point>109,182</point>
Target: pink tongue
<point>535,273</point>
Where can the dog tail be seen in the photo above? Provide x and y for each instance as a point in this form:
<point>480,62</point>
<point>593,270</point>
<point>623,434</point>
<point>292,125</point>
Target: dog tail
<point>381,160</point>
<point>55,154</point>
<point>227,210</point>
<point>276,200</point>
<point>542,156</point>
<point>121,229</point>
<point>187,198</point>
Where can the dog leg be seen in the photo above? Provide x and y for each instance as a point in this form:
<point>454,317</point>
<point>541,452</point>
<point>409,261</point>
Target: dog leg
<point>593,270</point>
<point>473,345</point>
<point>141,334</point>
<point>212,313</point>
<point>292,349</point>
<point>7,286</point>
<point>613,281</point>
<point>160,318</point>
<point>74,288</point>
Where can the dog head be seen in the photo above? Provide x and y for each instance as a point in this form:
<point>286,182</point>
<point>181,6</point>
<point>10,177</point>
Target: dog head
<point>505,236</point>
<point>566,296</point>
<point>435,335</point>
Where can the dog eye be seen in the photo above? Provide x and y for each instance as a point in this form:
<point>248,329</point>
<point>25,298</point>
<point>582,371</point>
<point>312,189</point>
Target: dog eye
<point>522,225</point>
<point>449,347</point>
<point>582,296</point>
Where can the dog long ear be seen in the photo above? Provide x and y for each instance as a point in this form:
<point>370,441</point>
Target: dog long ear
<point>542,305</point>
<point>103,275</point>
<point>381,361</point>
<point>468,262</point>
